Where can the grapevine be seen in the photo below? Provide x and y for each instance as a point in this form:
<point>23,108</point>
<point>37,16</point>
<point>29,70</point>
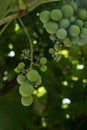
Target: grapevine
<point>66,26</point>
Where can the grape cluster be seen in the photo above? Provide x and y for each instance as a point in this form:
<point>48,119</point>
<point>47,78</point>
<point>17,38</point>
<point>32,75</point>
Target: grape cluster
<point>27,81</point>
<point>67,25</point>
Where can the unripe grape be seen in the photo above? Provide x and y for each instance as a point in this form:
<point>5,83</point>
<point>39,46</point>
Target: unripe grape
<point>51,50</point>
<point>81,41</point>
<point>64,23</point>
<point>74,40</point>
<point>72,18</point>
<point>43,68</point>
<point>51,27</point>
<point>52,37</point>
<point>57,46</point>
<point>21,65</point>
<point>32,75</point>
<point>79,23</point>
<point>82,14</point>
<point>26,89</point>
<point>61,33</point>
<point>26,101</point>
<point>67,42</point>
<point>56,14</point>
<point>39,81</point>
<point>83,33</point>
<point>74,6</point>
<point>67,10</point>
<point>43,60</point>
<point>74,30</point>
<point>45,16</point>
<point>17,70</point>
<point>21,78</point>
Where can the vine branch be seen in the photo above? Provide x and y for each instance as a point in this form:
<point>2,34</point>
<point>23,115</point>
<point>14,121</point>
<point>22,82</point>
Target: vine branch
<point>32,5</point>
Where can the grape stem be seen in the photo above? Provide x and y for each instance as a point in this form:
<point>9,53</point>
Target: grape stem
<point>35,64</point>
<point>30,41</point>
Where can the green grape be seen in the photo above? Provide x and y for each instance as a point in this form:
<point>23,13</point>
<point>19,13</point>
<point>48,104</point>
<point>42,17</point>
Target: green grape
<point>21,78</point>
<point>39,81</point>
<point>52,37</point>
<point>83,33</point>
<point>57,46</point>
<point>74,40</point>
<point>32,75</point>
<point>43,68</point>
<point>17,70</point>
<point>56,14</point>
<point>26,89</point>
<point>67,10</point>
<point>43,60</point>
<point>21,65</point>
<point>51,50</point>
<point>27,101</point>
<point>64,23</point>
<point>74,6</point>
<point>61,33</point>
<point>72,19</point>
<point>82,14</point>
<point>51,27</point>
<point>79,23</point>
<point>74,30</point>
<point>82,41</point>
<point>45,16</point>
<point>67,42</point>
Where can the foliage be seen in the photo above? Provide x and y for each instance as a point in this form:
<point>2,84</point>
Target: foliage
<point>66,79</point>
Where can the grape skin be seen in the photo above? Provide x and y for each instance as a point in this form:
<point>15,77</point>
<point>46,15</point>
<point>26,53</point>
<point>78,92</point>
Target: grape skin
<point>17,70</point>
<point>74,30</point>
<point>82,14</point>
<point>74,40</point>
<point>26,89</point>
<point>67,42</point>
<point>51,50</point>
<point>51,27</point>
<point>72,19</point>
<point>43,60</point>
<point>43,68</point>
<point>45,16</point>
<point>64,23</point>
<point>21,78</point>
<point>74,6</point>
<point>21,65</point>
<point>82,41</point>
<point>61,33</point>
<point>56,14</point>
<point>79,23</point>
<point>39,81</point>
<point>83,33</point>
<point>26,101</point>
<point>52,37</point>
<point>67,10</point>
<point>32,75</point>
